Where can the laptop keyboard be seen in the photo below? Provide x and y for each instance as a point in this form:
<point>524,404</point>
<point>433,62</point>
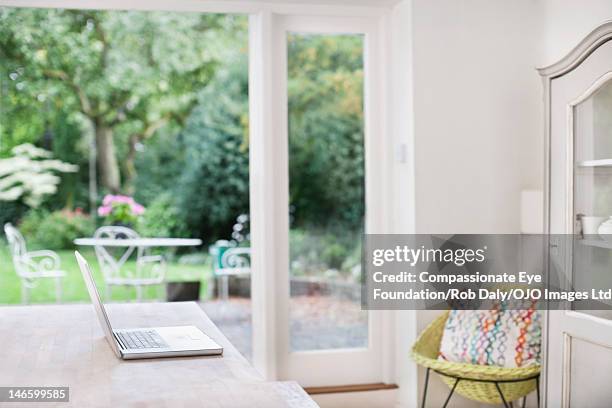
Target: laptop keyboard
<point>143,339</point>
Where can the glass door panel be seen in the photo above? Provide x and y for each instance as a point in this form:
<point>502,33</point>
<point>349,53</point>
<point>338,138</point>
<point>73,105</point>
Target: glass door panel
<point>592,255</point>
<point>325,74</point>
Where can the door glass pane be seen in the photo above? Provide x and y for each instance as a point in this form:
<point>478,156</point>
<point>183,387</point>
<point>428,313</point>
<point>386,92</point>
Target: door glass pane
<point>326,171</point>
<point>592,255</point>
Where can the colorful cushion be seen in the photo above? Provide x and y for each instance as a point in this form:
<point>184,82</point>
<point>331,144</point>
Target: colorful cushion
<point>506,338</point>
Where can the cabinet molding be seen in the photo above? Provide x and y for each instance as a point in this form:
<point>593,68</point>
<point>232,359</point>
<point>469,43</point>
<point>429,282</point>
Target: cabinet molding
<point>597,37</point>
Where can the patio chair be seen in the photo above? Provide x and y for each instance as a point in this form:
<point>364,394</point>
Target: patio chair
<point>228,262</point>
<point>150,269</point>
<point>34,265</point>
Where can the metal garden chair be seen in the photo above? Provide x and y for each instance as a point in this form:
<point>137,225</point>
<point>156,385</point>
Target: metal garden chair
<point>150,269</point>
<point>33,265</point>
<point>232,261</point>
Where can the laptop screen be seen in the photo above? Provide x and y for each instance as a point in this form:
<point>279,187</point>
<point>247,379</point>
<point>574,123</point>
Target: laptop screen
<point>95,299</point>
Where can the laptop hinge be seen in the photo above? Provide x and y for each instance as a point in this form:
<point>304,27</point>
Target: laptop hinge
<point>121,345</point>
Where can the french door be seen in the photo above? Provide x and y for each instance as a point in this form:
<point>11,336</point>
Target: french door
<point>312,255</point>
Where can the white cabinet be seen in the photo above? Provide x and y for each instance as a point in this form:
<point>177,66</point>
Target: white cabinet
<point>578,343</point>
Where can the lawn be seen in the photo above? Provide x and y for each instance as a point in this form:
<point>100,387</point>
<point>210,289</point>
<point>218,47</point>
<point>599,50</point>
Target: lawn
<point>74,287</point>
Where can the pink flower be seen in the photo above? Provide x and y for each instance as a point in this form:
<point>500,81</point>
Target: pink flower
<point>114,207</point>
<point>137,209</point>
<point>108,199</point>
<point>123,199</point>
<point>104,210</point>
<point>120,199</point>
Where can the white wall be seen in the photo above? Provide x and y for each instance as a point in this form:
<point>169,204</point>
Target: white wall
<point>478,125</point>
<point>477,113</point>
<point>566,22</point>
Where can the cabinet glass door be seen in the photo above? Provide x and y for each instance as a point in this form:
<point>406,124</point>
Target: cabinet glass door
<point>592,255</point>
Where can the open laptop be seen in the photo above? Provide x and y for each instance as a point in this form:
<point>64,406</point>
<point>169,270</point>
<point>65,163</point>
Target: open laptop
<point>150,342</point>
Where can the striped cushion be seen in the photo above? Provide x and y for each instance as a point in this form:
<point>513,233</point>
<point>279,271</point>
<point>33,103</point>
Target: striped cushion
<point>506,338</point>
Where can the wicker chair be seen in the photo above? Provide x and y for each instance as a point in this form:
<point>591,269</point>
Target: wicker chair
<point>488,384</point>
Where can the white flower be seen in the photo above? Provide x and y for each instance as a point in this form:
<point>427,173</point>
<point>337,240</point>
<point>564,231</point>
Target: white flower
<point>30,174</point>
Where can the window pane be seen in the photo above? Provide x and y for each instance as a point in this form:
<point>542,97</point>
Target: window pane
<point>326,170</point>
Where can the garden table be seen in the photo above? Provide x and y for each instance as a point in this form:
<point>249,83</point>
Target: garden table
<point>111,265</point>
<point>138,242</point>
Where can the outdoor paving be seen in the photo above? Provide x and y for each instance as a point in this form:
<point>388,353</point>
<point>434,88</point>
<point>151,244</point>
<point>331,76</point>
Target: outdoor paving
<point>233,318</point>
<point>317,322</point>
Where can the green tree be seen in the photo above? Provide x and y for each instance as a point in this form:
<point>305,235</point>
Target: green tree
<point>326,166</point>
<point>213,187</point>
<point>129,74</point>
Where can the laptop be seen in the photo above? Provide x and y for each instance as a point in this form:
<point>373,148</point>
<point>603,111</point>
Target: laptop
<point>149,342</point>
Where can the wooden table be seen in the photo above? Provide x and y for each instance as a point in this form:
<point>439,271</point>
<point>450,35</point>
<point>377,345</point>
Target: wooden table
<point>63,345</point>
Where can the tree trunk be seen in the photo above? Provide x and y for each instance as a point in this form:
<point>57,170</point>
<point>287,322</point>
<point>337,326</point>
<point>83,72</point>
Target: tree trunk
<point>93,171</point>
<point>129,165</point>
<point>107,159</point>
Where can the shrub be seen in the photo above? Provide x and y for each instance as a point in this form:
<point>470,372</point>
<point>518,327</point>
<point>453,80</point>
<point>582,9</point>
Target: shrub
<point>315,252</point>
<point>120,209</point>
<point>334,254</point>
<point>11,211</point>
<point>55,230</point>
<point>162,219</point>
<point>213,188</point>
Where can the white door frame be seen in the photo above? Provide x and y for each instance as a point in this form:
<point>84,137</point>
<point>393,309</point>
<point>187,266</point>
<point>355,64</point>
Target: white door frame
<point>315,368</point>
<point>269,177</point>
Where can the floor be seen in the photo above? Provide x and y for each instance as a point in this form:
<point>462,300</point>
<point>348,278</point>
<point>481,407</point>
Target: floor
<point>317,322</point>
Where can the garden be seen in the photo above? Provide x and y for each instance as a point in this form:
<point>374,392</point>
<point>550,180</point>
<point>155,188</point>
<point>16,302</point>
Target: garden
<point>140,119</point>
